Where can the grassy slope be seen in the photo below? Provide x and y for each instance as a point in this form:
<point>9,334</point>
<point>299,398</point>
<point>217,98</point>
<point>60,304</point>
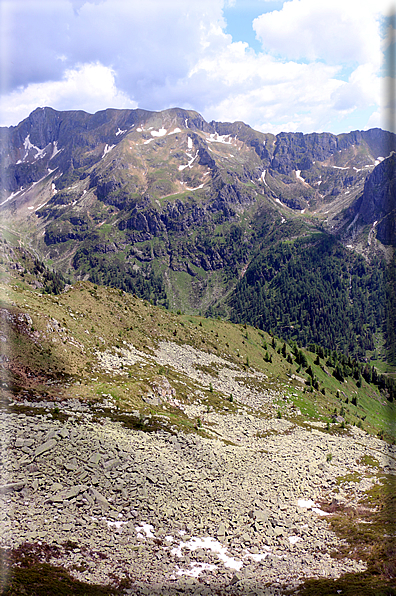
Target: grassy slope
<point>98,319</point>
<point>92,319</point>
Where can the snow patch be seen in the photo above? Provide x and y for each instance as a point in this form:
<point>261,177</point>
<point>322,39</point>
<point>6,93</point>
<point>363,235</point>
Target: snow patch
<point>341,168</point>
<point>216,138</point>
<point>304,504</point>
<point>312,506</point>
<point>55,150</point>
<point>12,195</point>
<point>196,188</point>
<point>107,149</point>
<point>196,569</point>
<point>209,543</point>
<point>192,159</point>
<point>120,132</point>
<point>159,133</point>
<point>258,556</point>
<point>148,141</point>
<point>39,207</point>
<point>319,511</point>
<point>189,143</point>
<point>115,524</point>
<point>298,176</point>
<point>28,147</point>
<point>173,132</point>
<point>147,529</point>
<point>262,177</point>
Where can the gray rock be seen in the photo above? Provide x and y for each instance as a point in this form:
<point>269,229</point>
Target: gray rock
<point>100,499</point>
<point>56,486</point>
<point>95,458</point>
<point>260,516</point>
<point>71,465</point>
<point>153,400</point>
<point>64,433</point>
<point>6,488</point>
<point>47,446</point>
<point>69,493</point>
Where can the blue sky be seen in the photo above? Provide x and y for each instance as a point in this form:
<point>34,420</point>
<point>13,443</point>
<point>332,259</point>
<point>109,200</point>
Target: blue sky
<point>292,65</point>
<point>239,17</point>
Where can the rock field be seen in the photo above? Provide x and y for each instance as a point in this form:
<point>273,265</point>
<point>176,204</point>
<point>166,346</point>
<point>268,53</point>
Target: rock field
<point>237,511</point>
<point>173,511</point>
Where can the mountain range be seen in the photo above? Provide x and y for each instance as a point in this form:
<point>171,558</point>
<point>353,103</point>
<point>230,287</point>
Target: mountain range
<point>292,232</point>
<point>197,352</point>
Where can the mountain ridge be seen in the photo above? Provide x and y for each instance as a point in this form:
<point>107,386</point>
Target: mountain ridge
<point>137,433</point>
<point>169,202</point>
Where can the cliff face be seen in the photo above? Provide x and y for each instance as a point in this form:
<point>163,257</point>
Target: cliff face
<point>49,139</point>
<point>378,203</point>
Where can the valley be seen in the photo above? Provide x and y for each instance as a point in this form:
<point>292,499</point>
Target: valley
<point>181,212</point>
<point>197,356</point>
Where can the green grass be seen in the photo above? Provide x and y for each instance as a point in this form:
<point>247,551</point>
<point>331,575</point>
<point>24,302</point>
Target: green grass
<point>369,533</point>
<point>112,317</point>
<point>26,571</point>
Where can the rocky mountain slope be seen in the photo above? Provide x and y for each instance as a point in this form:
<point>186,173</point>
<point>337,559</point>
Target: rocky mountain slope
<point>178,210</point>
<point>146,452</point>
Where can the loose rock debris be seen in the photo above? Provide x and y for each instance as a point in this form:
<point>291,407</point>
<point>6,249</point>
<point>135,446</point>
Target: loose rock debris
<point>180,512</point>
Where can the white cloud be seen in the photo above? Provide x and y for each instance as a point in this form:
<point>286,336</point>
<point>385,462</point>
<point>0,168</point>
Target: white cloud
<point>157,54</point>
<point>269,95</point>
<point>89,87</point>
<point>389,38</point>
<point>331,30</point>
<point>385,115</point>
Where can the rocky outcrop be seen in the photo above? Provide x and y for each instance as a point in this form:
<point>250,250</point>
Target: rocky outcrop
<point>378,203</point>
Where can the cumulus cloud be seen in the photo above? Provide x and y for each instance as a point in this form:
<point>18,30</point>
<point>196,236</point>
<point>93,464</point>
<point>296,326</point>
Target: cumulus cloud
<point>79,54</point>
<point>334,31</point>
<point>89,87</point>
<point>266,93</point>
<point>145,42</point>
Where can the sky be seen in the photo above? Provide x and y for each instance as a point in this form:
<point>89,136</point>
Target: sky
<point>294,65</point>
